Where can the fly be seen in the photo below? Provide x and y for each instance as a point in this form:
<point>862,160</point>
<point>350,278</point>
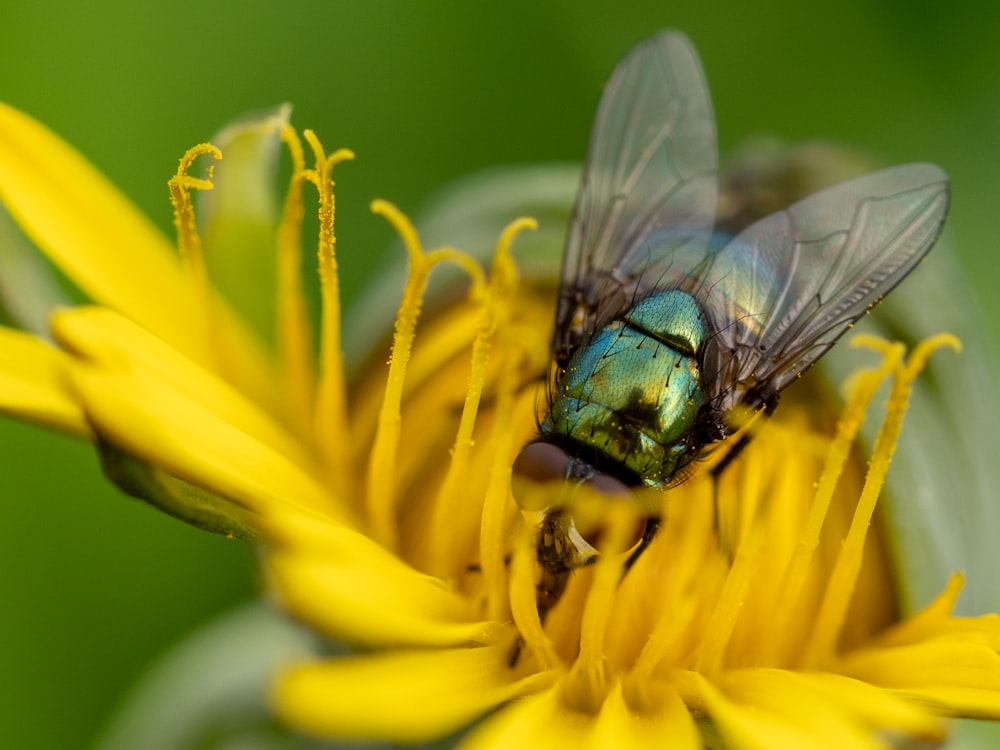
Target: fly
<point>667,328</point>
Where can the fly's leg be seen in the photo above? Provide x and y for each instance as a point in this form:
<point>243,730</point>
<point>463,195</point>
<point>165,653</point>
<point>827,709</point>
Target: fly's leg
<point>559,552</point>
<point>652,526</point>
<point>770,404</point>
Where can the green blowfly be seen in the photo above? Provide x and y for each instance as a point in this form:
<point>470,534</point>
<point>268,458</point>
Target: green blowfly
<point>667,327</point>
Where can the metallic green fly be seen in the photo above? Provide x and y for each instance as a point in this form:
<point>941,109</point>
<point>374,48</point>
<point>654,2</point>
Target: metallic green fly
<point>666,328</point>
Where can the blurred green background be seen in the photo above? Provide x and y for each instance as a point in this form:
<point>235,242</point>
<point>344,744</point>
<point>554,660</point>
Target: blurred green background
<point>94,585</point>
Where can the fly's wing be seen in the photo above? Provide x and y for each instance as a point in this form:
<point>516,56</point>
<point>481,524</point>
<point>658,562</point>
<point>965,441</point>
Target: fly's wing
<point>786,288</point>
<point>644,214</point>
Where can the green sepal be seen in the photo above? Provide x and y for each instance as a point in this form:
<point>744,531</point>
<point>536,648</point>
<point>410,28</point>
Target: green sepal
<point>238,218</point>
<point>182,500</point>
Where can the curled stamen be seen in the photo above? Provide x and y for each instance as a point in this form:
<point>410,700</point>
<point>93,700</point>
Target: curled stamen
<point>458,466</point>
<point>380,483</point>
<point>188,239</point>
<point>495,505</point>
<point>504,270</point>
<point>180,186</point>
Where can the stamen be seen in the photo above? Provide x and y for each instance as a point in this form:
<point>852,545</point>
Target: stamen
<point>504,273</point>
<point>798,568</point>
<point>719,629</point>
<point>686,548</point>
<point>495,314</point>
<point>380,484</point>
<point>617,527</point>
<point>495,504</point>
<point>459,464</point>
<point>295,339</point>
<point>833,609</point>
<point>330,426</point>
<point>587,684</point>
<point>492,548</point>
<point>188,240</point>
<point>180,184</point>
<point>523,602</point>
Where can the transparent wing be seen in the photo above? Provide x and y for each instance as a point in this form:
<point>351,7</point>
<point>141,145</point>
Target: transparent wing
<point>644,213</point>
<point>786,288</point>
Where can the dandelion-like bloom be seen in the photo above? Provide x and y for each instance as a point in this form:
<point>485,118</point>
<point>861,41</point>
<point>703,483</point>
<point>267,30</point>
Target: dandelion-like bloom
<point>387,520</point>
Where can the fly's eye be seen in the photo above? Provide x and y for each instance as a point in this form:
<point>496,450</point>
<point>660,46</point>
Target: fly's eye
<point>541,462</point>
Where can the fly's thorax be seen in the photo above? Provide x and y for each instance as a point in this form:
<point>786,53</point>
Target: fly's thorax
<point>632,394</point>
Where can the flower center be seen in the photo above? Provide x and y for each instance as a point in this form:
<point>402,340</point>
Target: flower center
<point>763,568</point>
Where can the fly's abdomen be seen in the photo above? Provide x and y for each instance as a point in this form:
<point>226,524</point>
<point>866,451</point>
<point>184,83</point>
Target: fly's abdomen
<point>632,394</point>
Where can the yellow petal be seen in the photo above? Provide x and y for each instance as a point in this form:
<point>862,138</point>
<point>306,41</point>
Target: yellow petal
<point>845,700</point>
<point>935,622</point>
<point>34,383</point>
<point>356,591</point>
<point>538,721</point>
<point>110,341</point>
<point>778,710</point>
<point>958,679</point>
<point>141,415</point>
<point>958,701</point>
<point>401,696</point>
<point>90,230</point>
<point>750,728</point>
<point>671,725</point>
<point>109,249</point>
<point>188,423</point>
<point>544,721</point>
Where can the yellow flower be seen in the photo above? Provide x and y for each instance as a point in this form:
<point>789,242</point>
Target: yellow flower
<point>386,515</point>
